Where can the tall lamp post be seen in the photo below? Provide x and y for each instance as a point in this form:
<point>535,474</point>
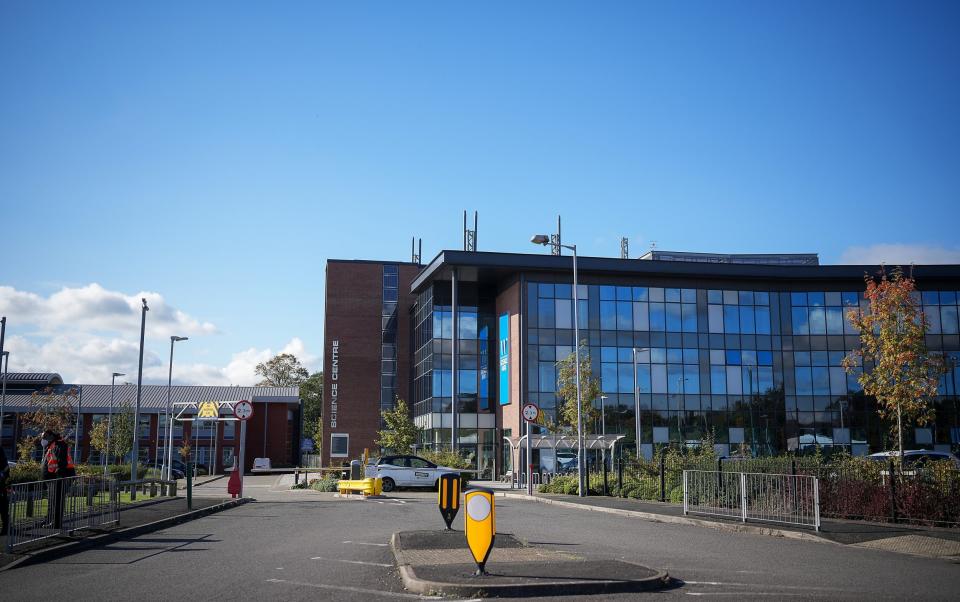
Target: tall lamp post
<point>636,397</point>
<point>106,457</point>
<point>680,381</point>
<point>5,358</point>
<point>136,415</point>
<point>543,239</point>
<point>603,429</point>
<point>169,454</point>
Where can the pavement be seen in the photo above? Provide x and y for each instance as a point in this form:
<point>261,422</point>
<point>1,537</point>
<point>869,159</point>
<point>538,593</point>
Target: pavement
<point>304,545</point>
<point>437,562</point>
<point>932,542</point>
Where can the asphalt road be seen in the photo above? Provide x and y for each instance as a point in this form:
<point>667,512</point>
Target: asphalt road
<point>302,545</point>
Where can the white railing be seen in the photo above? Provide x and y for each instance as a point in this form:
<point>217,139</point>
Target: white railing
<point>41,509</point>
<point>775,498</point>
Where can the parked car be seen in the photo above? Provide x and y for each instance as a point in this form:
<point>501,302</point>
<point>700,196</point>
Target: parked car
<point>916,458</point>
<point>406,471</point>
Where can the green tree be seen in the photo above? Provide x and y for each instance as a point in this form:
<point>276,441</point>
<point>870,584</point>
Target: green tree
<point>121,434</point>
<point>893,363</point>
<point>567,391</point>
<point>399,432</point>
<point>283,370</point>
<point>311,392</point>
<point>48,410</point>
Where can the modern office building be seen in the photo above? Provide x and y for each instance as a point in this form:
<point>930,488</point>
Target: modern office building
<point>273,431</point>
<point>748,347</point>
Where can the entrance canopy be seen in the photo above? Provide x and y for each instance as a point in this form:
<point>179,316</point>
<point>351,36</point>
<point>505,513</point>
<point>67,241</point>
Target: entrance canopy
<point>565,441</point>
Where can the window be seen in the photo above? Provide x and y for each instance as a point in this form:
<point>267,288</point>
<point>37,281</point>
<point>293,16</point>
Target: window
<point>420,463</point>
<point>339,445</point>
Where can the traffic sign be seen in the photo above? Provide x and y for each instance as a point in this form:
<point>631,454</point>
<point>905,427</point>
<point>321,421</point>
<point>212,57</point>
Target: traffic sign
<point>480,525</point>
<point>448,495</point>
<point>208,409</point>
<point>243,410</point>
<point>530,412</point>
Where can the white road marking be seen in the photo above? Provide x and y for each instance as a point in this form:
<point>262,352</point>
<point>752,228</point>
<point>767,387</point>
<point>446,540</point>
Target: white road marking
<point>353,561</point>
<point>356,590</point>
<point>364,543</point>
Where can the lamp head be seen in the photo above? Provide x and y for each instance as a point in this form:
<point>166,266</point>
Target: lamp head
<point>540,239</point>
<point>176,338</point>
<point>116,374</point>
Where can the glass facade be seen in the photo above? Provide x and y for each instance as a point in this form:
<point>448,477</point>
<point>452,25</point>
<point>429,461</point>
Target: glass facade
<point>388,339</point>
<point>432,370</point>
<point>758,368</point>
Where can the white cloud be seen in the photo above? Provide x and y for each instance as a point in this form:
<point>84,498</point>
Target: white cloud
<point>94,308</point>
<point>900,254</point>
<point>87,333</point>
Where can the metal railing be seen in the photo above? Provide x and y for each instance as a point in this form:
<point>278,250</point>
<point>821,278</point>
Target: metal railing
<point>42,509</point>
<point>776,498</point>
<point>310,461</point>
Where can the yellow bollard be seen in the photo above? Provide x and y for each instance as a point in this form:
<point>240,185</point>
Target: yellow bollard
<point>480,525</point>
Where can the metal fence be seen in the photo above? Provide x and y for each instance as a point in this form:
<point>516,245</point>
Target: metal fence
<point>310,461</point>
<point>42,509</point>
<point>777,498</point>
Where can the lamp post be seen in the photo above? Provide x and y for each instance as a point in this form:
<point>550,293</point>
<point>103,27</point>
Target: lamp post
<point>603,429</point>
<point>136,415</point>
<point>636,398</point>
<point>5,358</point>
<point>169,454</point>
<point>753,434</point>
<point>113,382</point>
<point>543,239</point>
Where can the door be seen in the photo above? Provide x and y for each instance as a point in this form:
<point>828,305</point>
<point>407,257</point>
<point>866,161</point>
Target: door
<point>423,473</point>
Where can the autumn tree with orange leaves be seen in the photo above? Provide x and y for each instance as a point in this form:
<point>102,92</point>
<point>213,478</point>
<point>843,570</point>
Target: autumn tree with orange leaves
<point>897,368</point>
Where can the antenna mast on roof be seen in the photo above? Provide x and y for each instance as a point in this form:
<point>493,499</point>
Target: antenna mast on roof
<point>624,248</point>
<point>555,240</point>
<point>415,255</point>
<point>469,236</point>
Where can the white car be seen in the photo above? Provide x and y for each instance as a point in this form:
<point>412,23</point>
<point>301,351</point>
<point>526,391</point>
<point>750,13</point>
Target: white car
<point>406,471</point>
<point>913,458</point>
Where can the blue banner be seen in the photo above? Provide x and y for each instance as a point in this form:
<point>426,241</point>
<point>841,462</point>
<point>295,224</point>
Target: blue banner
<point>504,379</point>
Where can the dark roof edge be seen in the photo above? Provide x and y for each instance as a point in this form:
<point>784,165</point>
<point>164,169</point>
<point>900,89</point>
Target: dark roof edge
<point>646,267</point>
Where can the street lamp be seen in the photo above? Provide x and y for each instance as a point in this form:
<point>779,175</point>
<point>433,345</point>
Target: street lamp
<point>603,429</point>
<point>680,381</point>
<point>543,239</point>
<point>173,339</point>
<point>636,397</point>
<point>5,358</point>
<point>113,382</point>
<point>134,473</point>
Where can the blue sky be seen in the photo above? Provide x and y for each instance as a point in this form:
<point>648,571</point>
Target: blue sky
<point>215,156</point>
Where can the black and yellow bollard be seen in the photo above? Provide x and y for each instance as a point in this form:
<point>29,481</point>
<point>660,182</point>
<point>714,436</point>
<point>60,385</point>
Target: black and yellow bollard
<point>480,525</point>
<point>448,496</point>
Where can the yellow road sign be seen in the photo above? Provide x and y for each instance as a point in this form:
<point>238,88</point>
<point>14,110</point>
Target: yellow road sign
<point>480,525</point>
<point>448,496</point>
<point>208,409</point>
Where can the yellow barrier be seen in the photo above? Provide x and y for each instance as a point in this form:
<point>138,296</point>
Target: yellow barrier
<point>364,486</point>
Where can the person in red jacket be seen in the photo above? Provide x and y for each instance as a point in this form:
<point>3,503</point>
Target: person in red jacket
<point>57,464</point>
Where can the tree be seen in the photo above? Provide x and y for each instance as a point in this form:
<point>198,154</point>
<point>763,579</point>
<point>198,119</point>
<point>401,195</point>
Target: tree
<point>399,432</point>
<point>48,410</point>
<point>311,392</point>
<point>567,391</point>
<point>893,362</point>
<point>121,434</point>
<point>283,370</point>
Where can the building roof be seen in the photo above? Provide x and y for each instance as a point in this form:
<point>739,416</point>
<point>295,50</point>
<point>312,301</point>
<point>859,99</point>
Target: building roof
<point>748,258</point>
<point>485,266</point>
<point>33,379</point>
<point>154,397</point>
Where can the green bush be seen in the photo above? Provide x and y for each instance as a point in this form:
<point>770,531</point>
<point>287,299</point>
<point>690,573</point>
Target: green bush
<point>326,484</point>
<point>449,459</point>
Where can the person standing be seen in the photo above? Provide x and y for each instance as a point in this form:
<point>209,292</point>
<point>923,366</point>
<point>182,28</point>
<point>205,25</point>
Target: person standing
<point>57,464</point>
<point>4,500</point>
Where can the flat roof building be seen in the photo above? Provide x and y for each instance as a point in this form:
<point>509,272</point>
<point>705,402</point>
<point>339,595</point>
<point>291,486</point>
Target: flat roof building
<point>747,347</point>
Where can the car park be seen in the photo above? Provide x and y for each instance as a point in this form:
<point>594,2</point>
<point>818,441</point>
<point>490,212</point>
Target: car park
<point>405,471</point>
